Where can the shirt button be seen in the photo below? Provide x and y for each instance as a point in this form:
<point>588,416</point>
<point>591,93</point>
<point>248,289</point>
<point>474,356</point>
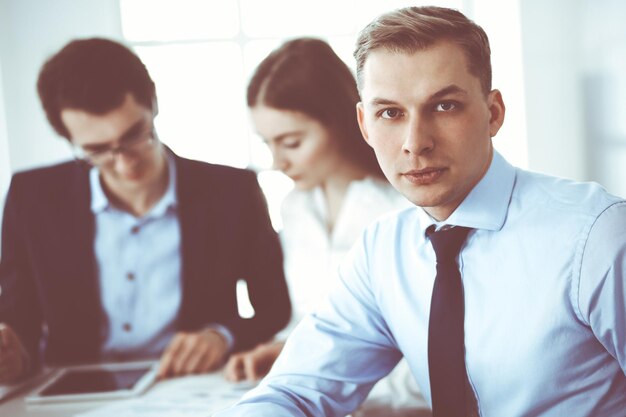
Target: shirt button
<point>130,276</point>
<point>127,327</point>
<point>134,230</point>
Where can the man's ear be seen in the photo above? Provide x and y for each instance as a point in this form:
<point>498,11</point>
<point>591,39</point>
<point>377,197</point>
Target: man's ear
<point>360,117</point>
<point>496,110</point>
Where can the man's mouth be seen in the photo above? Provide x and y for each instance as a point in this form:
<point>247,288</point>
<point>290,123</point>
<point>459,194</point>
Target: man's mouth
<point>424,176</point>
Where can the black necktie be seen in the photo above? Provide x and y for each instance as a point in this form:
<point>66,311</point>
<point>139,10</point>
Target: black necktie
<point>446,351</point>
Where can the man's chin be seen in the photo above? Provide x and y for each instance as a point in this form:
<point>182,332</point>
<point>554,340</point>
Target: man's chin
<point>131,176</point>
<point>421,199</point>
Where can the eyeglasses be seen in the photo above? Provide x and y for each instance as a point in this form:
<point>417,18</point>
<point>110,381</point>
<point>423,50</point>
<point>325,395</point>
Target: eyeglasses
<point>130,145</point>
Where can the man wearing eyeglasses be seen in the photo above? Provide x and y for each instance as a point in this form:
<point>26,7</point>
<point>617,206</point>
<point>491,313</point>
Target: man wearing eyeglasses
<point>130,251</point>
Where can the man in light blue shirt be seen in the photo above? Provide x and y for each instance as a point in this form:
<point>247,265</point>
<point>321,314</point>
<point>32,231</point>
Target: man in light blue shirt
<point>140,294</point>
<point>130,251</point>
<point>543,268</point>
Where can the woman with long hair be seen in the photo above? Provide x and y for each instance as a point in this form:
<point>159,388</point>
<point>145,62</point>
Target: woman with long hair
<point>302,100</point>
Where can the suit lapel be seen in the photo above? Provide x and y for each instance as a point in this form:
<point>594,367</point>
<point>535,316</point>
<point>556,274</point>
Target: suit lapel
<point>193,218</point>
<point>82,230</point>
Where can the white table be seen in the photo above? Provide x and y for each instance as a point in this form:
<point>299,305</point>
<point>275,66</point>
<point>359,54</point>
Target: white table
<point>209,392</point>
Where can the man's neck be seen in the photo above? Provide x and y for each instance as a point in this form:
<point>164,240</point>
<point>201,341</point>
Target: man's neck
<point>139,200</point>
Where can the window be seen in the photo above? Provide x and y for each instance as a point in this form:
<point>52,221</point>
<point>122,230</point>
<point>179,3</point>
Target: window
<point>202,53</point>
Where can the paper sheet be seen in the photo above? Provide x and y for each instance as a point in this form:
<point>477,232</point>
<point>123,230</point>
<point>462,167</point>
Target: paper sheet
<point>192,396</point>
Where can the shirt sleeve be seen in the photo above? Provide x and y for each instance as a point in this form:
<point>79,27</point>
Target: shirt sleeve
<point>227,334</point>
<point>602,294</point>
<point>334,356</point>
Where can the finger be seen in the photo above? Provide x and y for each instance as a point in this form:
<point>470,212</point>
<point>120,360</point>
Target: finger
<point>8,346</point>
<point>165,365</point>
<point>4,376</point>
<point>262,360</point>
<point>10,366</point>
<point>8,356</point>
<point>176,347</point>
<point>4,337</point>
<point>215,358</point>
<point>250,366</point>
<point>184,354</point>
<point>196,363</point>
<point>207,352</point>
<point>217,354</point>
<point>233,371</point>
<point>4,367</point>
<point>12,354</point>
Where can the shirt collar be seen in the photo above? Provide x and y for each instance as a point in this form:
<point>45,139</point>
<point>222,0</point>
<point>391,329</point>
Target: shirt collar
<point>486,206</point>
<point>168,201</point>
<point>100,202</point>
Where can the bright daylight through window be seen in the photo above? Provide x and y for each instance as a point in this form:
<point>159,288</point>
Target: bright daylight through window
<point>201,54</point>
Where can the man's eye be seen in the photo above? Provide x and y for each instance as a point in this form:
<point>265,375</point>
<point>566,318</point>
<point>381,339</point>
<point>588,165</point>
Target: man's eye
<point>446,106</point>
<point>133,138</point>
<point>130,139</point>
<point>390,114</point>
<point>96,151</point>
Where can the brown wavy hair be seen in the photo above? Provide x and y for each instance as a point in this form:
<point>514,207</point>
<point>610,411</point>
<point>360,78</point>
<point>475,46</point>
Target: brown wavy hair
<point>305,75</point>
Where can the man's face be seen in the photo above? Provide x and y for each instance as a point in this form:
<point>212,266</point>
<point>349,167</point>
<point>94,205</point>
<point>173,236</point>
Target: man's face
<point>129,129</point>
<point>429,122</point>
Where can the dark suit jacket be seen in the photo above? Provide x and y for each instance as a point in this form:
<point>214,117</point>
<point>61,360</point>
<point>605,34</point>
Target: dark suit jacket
<point>48,278</point>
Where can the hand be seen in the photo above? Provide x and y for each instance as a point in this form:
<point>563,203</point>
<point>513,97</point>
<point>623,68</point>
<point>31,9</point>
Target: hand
<point>193,353</point>
<point>13,356</point>
<point>253,364</point>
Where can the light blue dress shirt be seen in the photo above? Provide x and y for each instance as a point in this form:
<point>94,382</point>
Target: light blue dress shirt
<point>545,307</point>
<point>139,266</point>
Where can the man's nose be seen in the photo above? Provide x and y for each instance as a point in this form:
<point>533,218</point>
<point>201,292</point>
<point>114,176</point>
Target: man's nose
<point>123,160</point>
<point>419,136</point>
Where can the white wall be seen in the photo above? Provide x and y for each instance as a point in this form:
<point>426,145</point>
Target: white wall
<point>30,31</point>
<point>552,47</point>
<point>604,91</point>
<point>5,170</point>
<point>575,76</point>
<point>553,120</point>
<point>501,21</point>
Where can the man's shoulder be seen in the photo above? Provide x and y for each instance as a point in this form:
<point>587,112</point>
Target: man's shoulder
<point>221,185</point>
<point>50,176</point>
<point>394,222</point>
<point>562,195</point>
<point>200,169</point>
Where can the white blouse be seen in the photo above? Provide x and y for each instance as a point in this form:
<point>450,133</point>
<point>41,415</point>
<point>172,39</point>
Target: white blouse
<point>312,254</point>
<point>312,257</point>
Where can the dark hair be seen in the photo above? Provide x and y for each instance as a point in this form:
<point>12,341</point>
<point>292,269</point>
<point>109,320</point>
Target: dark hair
<point>414,28</point>
<point>306,75</point>
<point>93,75</point>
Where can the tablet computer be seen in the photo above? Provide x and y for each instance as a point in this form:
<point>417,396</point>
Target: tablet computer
<point>96,382</point>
